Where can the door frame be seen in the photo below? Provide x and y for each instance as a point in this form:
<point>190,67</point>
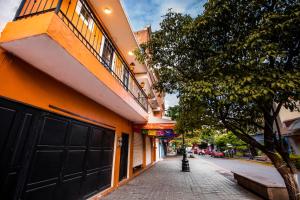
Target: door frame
<point>129,154</point>
<point>114,161</point>
<point>128,157</point>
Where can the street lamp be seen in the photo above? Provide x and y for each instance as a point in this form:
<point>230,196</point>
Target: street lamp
<point>185,162</point>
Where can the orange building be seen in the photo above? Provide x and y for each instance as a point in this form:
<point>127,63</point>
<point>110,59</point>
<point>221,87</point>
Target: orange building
<point>71,97</point>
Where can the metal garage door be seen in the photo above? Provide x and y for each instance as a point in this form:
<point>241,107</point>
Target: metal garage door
<point>16,127</point>
<point>64,158</point>
<point>148,151</point>
<point>137,149</point>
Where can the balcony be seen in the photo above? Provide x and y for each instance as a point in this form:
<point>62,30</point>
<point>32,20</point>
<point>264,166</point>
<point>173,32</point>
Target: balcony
<point>66,40</point>
<point>148,86</point>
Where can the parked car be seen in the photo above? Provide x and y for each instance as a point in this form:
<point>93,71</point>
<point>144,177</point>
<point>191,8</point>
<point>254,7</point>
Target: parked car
<point>201,152</point>
<point>217,154</point>
<point>190,153</point>
<point>196,151</point>
<point>207,152</point>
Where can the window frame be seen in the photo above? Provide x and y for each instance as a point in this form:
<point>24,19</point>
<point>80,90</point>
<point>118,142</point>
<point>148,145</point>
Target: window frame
<point>86,18</point>
<point>108,48</point>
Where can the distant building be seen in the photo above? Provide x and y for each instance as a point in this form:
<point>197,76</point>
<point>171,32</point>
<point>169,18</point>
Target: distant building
<point>290,129</point>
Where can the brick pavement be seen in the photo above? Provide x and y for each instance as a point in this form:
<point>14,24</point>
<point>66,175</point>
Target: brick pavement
<point>165,181</point>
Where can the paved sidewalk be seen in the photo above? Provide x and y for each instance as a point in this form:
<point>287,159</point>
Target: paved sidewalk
<point>166,181</point>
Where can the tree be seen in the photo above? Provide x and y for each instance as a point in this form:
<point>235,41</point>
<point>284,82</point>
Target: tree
<point>191,136</point>
<point>208,134</point>
<point>235,66</point>
<point>223,140</point>
<point>173,112</point>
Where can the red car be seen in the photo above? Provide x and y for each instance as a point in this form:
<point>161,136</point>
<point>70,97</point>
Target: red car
<point>201,152</point>
<point>217,154</point>
<point>207,152</point>
<point>196,151</point>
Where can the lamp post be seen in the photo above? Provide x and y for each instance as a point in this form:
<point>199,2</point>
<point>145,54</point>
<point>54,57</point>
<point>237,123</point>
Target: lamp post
<point>185,162</point>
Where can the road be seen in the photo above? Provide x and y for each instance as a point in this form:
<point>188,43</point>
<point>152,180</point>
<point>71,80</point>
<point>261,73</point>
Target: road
<point>228,165</point>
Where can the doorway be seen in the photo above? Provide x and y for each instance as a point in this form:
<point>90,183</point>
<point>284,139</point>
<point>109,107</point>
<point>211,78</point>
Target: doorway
<point>124,157</point>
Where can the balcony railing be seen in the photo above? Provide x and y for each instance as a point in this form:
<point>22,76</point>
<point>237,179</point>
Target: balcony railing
<point>78,16</point>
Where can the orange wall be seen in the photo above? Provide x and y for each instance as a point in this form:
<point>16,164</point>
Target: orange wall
<point>21,82</point>
<point>68,8</point>
<point>52,26</point>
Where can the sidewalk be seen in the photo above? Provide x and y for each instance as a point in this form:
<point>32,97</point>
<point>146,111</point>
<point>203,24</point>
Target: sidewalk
<point>166,181</point>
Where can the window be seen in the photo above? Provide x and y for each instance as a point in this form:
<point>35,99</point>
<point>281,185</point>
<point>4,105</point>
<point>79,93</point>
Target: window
<point>126,77</point>
<point>84,14</point>
<point>118,67</point>
<point>107,53</point>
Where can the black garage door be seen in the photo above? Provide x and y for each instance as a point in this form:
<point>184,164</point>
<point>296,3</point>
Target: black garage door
<point>46,156</point>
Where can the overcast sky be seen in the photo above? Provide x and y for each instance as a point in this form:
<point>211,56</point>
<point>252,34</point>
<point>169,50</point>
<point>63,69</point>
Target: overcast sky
<point>142,13</point>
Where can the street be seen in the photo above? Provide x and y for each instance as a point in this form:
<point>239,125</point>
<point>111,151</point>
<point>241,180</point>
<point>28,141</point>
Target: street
<point>227,165</point>
<point>166,181</point>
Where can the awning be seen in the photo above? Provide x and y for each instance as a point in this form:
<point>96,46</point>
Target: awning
<point>157,127</point>
<point>157,123</point>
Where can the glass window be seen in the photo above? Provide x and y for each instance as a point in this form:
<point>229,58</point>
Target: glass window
<point>84,14</point>
<point>126,77</point>
<point>119,67</point>
<point>107,53</point>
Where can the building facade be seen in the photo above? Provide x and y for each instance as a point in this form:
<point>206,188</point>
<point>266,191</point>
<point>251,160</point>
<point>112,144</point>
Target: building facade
<point>289,126</point>
<point>71,97</point>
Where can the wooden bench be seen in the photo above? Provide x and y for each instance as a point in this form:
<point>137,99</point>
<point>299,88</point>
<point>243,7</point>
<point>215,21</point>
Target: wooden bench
<point>262,186</point>
<point>262,158</point>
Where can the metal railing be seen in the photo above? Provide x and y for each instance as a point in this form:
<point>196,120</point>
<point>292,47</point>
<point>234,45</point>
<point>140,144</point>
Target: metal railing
<point>78,16</point>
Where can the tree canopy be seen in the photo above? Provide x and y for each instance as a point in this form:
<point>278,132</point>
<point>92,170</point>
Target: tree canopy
<point>173,112</point>
<point>228,141</point>
<point>234,66</point>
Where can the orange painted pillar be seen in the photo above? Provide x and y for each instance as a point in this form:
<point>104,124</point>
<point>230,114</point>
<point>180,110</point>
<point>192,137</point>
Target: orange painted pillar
<point>131,155</point>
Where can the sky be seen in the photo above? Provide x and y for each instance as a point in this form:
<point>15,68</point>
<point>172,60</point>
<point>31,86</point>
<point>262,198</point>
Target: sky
<point>8,13</point>
<point>142,13</point>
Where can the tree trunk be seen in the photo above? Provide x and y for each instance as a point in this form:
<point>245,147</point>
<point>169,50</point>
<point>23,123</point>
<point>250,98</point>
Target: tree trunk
<point>252,151</point>
<point>287,174</point>
<point>285,169</point>
<point>268,128</point>
<point>282,163</point>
